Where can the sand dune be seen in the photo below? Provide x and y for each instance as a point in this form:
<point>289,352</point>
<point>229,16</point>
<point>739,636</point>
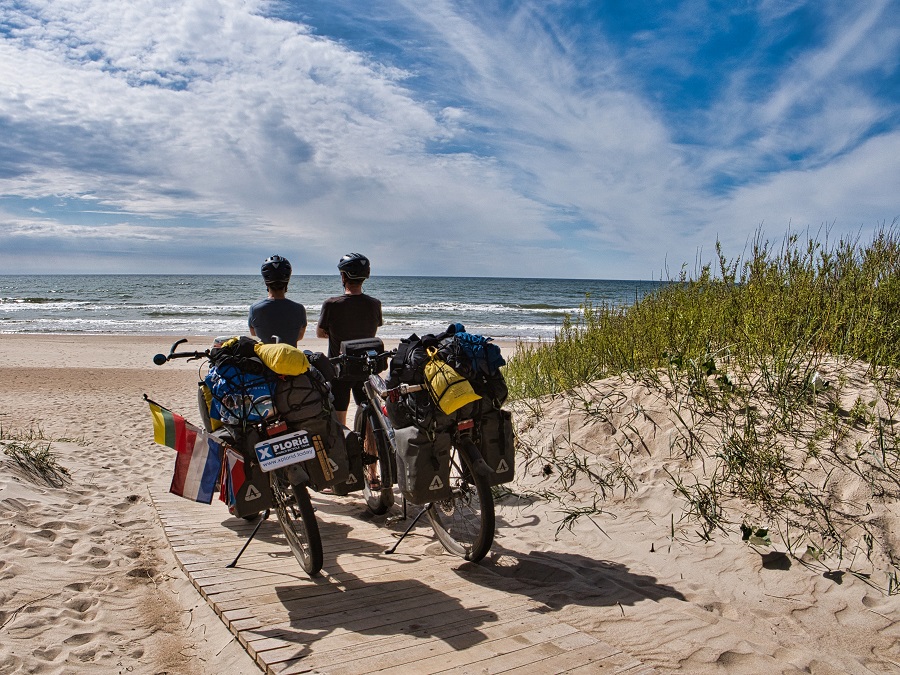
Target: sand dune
<point>88,583</point>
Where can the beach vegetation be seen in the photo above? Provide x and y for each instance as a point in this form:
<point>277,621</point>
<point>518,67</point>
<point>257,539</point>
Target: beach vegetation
<point>780,374</point>
<point>32,453</point>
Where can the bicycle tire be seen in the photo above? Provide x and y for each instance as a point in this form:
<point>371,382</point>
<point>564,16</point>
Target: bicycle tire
<point>298,522</point>
<point>366,424</point>
<point>464,524</point>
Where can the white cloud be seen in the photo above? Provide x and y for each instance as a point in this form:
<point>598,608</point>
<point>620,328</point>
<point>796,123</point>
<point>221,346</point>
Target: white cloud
<point>210,112</point>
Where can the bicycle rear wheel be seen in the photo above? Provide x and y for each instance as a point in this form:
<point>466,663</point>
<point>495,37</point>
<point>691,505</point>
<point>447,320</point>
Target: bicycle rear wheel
<point>379,499</point>
<point>464,524</point>
<point>298,521</point>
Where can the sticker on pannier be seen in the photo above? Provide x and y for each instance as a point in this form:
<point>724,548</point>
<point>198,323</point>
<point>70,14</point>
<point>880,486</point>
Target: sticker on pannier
<point>331,464</point>
<point>497,445</point>
<point>423,465</point>
<point>279,451</point>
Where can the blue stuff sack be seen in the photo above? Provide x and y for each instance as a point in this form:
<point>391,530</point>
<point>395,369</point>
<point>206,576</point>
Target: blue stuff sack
<point>239,396</point>
<point>483,353</point>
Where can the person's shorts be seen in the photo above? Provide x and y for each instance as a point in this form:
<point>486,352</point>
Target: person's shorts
<point>341,392</point>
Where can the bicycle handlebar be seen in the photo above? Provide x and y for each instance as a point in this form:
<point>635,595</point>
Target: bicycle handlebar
<point>368,356</point>
<point>160,359</point>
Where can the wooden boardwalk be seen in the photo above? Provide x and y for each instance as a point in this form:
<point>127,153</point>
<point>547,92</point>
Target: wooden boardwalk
<point>416,611</point>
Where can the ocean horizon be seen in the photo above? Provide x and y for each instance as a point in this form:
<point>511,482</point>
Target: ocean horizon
<point>527,309</point>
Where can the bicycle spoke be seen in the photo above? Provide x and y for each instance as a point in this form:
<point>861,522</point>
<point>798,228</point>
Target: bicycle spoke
<point>464,523</point>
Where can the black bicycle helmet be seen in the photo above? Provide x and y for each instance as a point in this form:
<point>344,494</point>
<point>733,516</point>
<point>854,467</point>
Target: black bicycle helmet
<point>355,266</point>
<point>276,270</point>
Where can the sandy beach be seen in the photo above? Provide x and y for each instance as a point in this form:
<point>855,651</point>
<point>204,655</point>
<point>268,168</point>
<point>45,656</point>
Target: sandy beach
<point>88,582</point>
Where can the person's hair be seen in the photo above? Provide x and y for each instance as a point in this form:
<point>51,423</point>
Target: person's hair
<point>277,285</point>
<point>351,281</point>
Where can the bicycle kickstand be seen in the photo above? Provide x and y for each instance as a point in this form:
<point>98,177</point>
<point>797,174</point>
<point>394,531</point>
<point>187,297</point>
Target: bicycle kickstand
<point>233,563</point>
<point>411,525</point>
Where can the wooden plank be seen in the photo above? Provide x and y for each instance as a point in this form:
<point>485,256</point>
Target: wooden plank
<point>597,656</point>
<point>413,611</point>
<point>391,647</point>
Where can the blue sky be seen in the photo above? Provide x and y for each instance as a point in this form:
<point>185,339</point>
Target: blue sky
<point>612,140</point>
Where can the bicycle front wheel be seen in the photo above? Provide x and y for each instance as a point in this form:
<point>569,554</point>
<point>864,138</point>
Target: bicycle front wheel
<point>464,523</point>
<point>377,480</point>
<point>298,521</point>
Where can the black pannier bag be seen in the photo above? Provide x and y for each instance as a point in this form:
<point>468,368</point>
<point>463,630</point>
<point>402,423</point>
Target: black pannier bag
<point>255,495</point>
<point>472,356</point>
<point>496,443</point>
<point>331,464</point>
<point>357,370</point>
<point>491,387</point>
<point>355,478</point>
<point>419,409</point>
<point>301,397</point>
<point>322,363</point>
<point>423,465</point>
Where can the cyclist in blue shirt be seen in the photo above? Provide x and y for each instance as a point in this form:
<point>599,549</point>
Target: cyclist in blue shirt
<point>277,318</point>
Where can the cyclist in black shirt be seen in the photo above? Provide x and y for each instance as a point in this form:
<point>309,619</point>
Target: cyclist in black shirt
<point>351,316</point>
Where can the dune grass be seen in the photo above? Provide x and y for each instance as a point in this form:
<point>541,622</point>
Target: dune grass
<point>805,298</point>
<point>31,451</point>
<point>753,356</point>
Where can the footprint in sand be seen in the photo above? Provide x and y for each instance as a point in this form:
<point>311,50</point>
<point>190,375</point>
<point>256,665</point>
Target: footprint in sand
<point>49,535</point>
<point>67,544</point>
<point>48,654</point>
<point>58,525</point>
<point>95,557</point>
<point>142,572</point>
<point>81,605</point>
<point>86,655</point>
<point>79,639</point>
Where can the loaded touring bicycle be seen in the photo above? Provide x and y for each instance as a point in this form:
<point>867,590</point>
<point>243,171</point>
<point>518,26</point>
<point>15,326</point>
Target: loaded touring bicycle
<point>435,429</point>
<point>280,435</point>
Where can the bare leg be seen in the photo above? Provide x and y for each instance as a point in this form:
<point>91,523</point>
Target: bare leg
<point>372,449</point>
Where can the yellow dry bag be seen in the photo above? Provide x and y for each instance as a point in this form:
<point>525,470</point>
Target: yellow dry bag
<point>283,358</point>
<point>450,390</point>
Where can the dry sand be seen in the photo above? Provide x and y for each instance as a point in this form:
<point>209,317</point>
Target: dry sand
<point>89,584</point>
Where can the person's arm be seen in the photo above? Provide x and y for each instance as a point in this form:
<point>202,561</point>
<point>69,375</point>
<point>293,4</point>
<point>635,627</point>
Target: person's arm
<point>301,333</point>
<point>323,317</point>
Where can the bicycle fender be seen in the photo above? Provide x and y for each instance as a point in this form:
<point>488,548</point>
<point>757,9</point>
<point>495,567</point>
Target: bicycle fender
<point>481,467</point>
<point>297,474</point>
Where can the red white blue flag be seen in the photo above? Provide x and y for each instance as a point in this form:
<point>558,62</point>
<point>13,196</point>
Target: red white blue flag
<point>234,476</point>
<point>198,460</point>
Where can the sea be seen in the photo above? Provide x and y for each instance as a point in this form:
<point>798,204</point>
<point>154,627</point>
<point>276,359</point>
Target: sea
<point>184,305</point>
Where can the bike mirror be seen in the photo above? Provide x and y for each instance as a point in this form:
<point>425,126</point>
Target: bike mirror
<point>160,359</point>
